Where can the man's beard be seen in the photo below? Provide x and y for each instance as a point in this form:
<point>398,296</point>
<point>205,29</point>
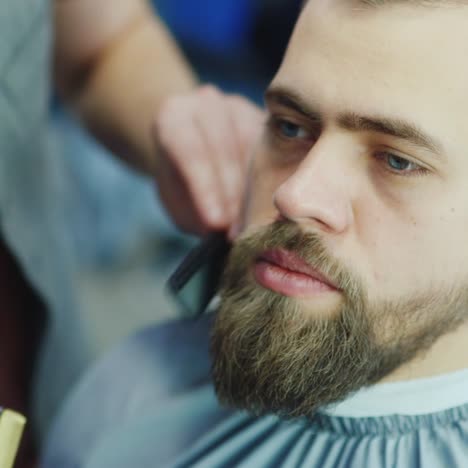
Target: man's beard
<point>270,355</point>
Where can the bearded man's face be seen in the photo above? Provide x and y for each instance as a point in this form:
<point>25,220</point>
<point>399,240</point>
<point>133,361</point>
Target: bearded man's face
<point>353,258</point>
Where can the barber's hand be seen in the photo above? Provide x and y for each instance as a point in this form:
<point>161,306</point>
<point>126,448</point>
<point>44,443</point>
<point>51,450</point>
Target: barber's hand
<point>205,139</point>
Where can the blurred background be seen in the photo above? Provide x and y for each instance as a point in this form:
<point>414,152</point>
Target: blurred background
<point>124,245</point>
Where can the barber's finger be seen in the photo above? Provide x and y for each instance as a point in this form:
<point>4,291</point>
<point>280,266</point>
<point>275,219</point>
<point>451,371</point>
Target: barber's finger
<point>185,149</point>
<point>247,122</point>
<point>215,124</point>
<point>182,209</point>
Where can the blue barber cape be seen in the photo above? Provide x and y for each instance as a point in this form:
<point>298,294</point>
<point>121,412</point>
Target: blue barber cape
<point>151,404</point>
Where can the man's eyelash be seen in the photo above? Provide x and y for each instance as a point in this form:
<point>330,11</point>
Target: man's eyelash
<point>382,157</point>
<point>276,125</point>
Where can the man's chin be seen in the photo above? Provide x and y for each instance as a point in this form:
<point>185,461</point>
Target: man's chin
<point>324,307</point>
<point>281,359</point>
<point>288,408</point>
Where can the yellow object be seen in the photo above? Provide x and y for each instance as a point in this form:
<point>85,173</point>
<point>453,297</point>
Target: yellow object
<point>11,430</point>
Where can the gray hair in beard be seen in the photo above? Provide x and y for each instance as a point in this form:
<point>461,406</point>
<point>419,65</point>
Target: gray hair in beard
<point>272,356</point>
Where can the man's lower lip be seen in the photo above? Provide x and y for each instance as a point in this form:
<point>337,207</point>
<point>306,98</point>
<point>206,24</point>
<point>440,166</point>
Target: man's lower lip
<point>287,282</point>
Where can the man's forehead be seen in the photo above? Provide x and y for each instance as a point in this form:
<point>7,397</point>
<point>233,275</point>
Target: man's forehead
<point>391,36</point>
<point>422,37</point>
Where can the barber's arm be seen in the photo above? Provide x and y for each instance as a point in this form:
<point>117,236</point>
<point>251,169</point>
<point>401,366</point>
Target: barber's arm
<point>118,66</point>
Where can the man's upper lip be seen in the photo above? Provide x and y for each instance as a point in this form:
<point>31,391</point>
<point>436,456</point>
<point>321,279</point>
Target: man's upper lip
<point>291,261</point>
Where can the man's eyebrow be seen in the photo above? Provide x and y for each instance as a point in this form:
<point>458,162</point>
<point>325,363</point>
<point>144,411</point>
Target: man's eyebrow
<point>287,98</point>
<point>397,128</point>
<point>394,127</point>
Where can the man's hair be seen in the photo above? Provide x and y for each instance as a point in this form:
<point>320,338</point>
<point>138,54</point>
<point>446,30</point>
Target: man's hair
<point>375,3</point>
<point>414,2</point>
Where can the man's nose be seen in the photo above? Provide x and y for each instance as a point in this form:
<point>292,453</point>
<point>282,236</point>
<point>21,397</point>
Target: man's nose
<point>318,192</point>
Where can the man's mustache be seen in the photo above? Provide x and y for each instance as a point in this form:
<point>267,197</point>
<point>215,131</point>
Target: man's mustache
<point>309,246</point>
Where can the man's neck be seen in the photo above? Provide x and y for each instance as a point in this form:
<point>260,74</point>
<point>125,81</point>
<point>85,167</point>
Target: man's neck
<point>448,354</point>
<point>408,398</point>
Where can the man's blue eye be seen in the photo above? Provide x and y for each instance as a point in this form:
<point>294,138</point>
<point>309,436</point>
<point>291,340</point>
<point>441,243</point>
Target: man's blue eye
<point>398,164</point>
<point>290,129</point>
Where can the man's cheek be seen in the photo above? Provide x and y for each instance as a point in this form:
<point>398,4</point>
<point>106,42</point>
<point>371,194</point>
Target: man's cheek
<point>259,208</point>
